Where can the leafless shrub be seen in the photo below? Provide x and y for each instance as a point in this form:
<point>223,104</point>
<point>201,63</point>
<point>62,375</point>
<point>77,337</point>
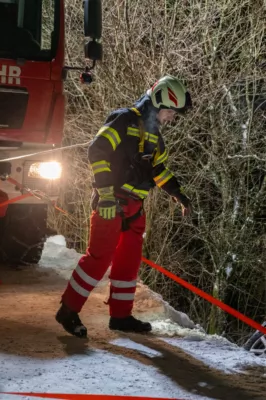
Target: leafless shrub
<point>218,152</point>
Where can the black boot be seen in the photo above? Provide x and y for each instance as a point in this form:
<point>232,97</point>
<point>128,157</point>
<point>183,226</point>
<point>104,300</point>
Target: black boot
<point>129,324</point>
<point>71,322</point>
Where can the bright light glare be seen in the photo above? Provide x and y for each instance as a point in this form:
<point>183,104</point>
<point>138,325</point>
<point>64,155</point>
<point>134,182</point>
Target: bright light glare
<point>46,170</point>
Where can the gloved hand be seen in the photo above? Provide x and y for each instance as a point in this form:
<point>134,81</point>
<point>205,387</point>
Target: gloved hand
<point>107,203</point>
<point>186,210</point>
<point>185,204</point>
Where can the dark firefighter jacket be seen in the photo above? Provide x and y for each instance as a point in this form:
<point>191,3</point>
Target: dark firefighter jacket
<point>117,160</point>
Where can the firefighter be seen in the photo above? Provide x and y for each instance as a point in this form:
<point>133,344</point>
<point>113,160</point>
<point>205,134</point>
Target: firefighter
<point>128,158</point>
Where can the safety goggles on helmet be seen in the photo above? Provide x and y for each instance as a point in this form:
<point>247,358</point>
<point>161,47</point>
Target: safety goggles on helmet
<point>170,93</point>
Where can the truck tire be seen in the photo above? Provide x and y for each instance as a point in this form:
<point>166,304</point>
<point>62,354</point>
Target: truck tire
<point>23,231</point>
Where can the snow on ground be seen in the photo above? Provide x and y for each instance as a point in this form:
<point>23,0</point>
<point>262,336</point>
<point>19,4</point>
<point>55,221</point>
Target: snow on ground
<point>98,373</point>
<point>102,371</point>
<point>218,353</point>
<point>213,350</point>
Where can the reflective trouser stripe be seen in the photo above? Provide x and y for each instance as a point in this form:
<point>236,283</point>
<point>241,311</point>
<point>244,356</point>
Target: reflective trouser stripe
<point>86,278</point>
<point>123,284</point>
<point>78,288</point>
<point>123,296</point>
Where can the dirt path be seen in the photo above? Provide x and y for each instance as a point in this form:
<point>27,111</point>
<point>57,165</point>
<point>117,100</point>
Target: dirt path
<point>29,298</point>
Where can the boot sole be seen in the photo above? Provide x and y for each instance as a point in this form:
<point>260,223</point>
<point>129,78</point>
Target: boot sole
<point>70,332</point>
<point>130,330</point>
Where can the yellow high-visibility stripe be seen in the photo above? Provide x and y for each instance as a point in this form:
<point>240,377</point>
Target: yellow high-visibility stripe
<point>107,136</point>
<point>159,177</point>
<point>151,135</point>
<point>133,132</point>
<point>136,111</point>
<point>100,166</point>
<point>147,136</point>
<point>98,170</point>
<point>151,138</point>
<point>164,177</point>
<point>111,134</point>
<point>159,160</point>
<point>141,193</point>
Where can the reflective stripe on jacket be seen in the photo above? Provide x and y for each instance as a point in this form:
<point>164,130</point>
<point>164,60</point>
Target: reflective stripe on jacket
<point>116,160</point>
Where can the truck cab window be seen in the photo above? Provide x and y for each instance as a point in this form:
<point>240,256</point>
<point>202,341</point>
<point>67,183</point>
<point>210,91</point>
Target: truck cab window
<point>27,29</point>
<point>47,26</point>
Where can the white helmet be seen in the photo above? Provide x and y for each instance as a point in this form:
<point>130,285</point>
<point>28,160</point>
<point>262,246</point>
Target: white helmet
<point>169,92</point>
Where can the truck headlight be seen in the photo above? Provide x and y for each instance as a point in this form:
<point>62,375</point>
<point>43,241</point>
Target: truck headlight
<point>45,170</point>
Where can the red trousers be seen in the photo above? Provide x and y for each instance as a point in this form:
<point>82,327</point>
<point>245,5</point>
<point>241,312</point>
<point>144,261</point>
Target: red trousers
<point>108,245</point>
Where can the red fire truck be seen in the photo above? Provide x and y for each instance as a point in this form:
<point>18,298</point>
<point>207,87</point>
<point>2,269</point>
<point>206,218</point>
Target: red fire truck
<point>32,110</point>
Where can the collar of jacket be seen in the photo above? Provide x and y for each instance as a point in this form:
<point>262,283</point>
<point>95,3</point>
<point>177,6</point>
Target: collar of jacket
<point>148,114</point>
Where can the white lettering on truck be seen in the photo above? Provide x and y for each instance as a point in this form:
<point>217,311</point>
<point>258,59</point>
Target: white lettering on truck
<point>10,74</point>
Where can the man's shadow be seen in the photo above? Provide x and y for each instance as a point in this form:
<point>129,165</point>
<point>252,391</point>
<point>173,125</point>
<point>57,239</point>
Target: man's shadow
<point>73,346</point>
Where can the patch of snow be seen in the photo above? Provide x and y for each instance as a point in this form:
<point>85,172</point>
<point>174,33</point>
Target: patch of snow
<point>218,352</point>
<point>230,100</point>
<point>249,219</point>
<point>236,208</point>
<point>245,133</point>
<point>179,317</point>
<point>169,328</point>
<point>228,269</point>
<point>167,313</point>
<point>130,344</point>
<point>96,372</point>
<point>57,256</point>
<point>57,239</point>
